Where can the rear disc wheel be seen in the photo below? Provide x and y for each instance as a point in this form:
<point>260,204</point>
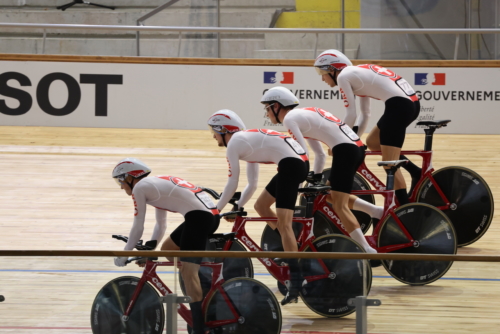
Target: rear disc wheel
<point>472,205</point>
<point>432,233</point>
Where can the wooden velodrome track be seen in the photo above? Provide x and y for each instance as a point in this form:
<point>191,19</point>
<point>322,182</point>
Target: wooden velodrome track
<point>57,193</point>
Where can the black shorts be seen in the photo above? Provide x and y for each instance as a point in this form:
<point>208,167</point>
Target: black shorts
<point>346,160</point>
<point>398,114</point>
<point>284,185</point>
<point>193,233</point>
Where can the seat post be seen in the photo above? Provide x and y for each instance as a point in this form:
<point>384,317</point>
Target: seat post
<point>429,132</point>
<point>309,205</point>
<point>390,178</point>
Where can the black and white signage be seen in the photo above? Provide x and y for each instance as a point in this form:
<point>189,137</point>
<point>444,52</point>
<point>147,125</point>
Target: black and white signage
<point>184,96</point>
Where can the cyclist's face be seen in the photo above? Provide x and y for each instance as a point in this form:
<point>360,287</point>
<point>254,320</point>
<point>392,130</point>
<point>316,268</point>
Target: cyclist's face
<point>126,187</point>
<point>328,80</point>
<point>269,112</point>
<point>218,138</point>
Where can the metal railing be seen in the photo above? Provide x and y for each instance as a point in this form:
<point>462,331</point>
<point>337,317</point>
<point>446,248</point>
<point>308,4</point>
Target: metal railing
<point>158,9</point>
<point>141,20</point>
<point>457,32</point>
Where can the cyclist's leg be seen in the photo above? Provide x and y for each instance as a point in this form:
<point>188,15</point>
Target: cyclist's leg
<point>264,202</point>
<point>170,244</point>
<point>285,217</point>
<point>194,236</point>
<point>347,158</point>
<point>291,173</point>
<point>410,167</point>
<point>392,153</point>
<point>399,113</point>
<point>340,205</point>
<point>356,203</point>
<point>373,139</point>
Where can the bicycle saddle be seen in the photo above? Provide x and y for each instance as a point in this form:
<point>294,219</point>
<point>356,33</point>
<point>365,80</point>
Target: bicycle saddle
<point>314,189</point>
<point>393,163</point>
<point>219,239</point>
<point>435,124</point>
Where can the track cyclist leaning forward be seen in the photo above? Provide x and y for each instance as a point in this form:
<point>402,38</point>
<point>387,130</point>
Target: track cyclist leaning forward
<point>264,146</point>
<point>168,193</point>
<point>317,125</point>
<point>401,107</point>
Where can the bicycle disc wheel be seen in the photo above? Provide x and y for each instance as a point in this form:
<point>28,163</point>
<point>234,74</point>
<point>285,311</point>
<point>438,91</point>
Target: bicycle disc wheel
<point>328,296</point>
<point>233,267</point>
<point>258,309</point>
<point>359,183</point>
<point>471,209</point>
<point>147,316</point>
<point>433,234</point>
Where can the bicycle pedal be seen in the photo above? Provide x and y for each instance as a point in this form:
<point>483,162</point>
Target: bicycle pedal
<point>288,300</point>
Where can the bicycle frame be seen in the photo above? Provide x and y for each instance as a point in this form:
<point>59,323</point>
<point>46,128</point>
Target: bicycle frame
<point>281,273</point>
<point>320,204</point>
<point>150,275</point>
<point>427,170</point>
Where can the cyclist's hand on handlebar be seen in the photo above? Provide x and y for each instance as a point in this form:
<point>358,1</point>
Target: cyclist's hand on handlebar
<point>141,262</point>
<point>231,215</point>
<point>230,218</point>
<point>121,261</point>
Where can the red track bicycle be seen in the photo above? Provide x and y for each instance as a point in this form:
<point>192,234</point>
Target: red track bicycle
<point>328,283</point>
<point>416,228</point>
<point>459,192</point>
<point>131,305</point>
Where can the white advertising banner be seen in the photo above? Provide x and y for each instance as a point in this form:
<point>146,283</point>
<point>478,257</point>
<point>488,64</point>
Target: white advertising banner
<point>184,96</point>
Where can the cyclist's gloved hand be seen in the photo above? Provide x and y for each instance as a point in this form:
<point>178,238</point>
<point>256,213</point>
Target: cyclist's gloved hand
<point>121,261</point>
<point>355,129</point>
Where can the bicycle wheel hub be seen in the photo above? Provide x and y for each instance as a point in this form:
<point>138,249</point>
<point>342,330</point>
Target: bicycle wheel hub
<point>332,275</point>
<point>453,206</point>
<point>416,243</point>
<point>241,320</point>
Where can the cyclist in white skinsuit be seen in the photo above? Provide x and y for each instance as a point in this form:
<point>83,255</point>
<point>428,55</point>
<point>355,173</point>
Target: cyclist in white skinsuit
<point>373,81</point>
<point>169,193</point>
<point>269,147</point>
<point>317,125</point>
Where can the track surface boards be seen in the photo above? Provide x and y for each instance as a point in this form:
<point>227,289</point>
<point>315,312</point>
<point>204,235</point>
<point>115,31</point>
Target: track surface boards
<point>57,194</point>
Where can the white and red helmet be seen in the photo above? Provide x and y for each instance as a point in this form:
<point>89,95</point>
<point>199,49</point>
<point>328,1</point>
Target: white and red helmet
<point>331,60</point>
<point>225,121</point>
<point>281,95</point>
<point>130,166</point>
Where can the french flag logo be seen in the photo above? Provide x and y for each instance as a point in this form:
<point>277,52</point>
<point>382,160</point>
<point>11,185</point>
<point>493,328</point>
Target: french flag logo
<point>435,79</point>
<point>278,77</point>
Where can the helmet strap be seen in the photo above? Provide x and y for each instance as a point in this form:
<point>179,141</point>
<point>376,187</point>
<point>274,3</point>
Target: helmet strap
<point>334,77</point>
<point>277,113</point>
<point>223,135</point>
<point>130,184</point>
